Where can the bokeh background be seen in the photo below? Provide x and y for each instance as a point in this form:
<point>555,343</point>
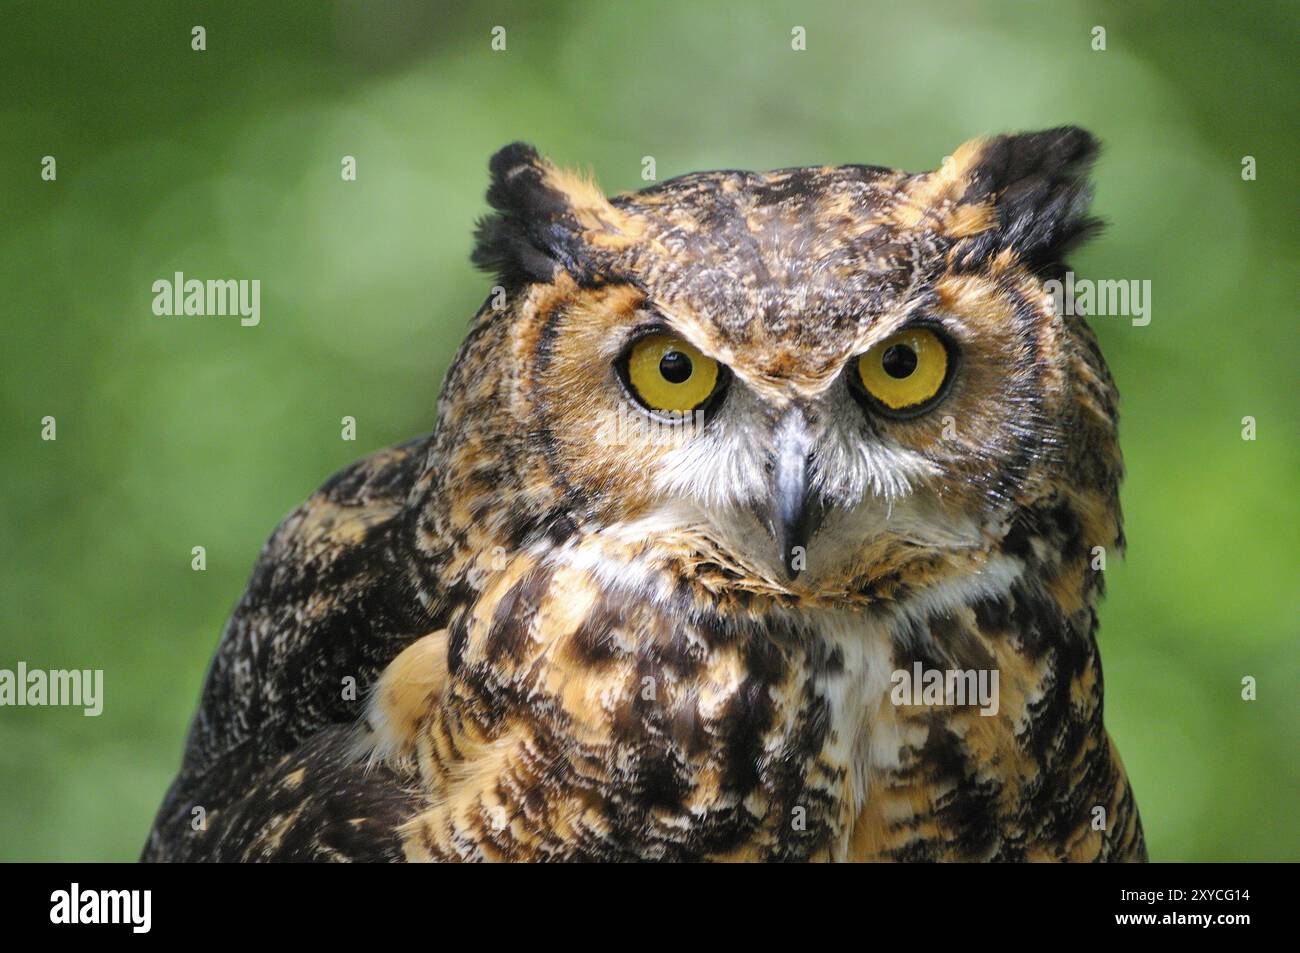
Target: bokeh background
<point>177,432</point>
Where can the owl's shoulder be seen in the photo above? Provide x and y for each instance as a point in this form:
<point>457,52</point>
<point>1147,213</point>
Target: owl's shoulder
<point>331,600</point>
<point>318,802</point>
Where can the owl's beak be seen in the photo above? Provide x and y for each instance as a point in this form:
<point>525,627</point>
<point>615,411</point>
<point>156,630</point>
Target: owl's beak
<point>791,511</point>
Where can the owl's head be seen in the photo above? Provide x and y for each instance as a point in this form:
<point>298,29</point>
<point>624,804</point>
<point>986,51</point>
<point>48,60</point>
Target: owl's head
<point>814,382</point>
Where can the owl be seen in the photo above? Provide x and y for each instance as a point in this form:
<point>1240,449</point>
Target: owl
<point>760,521</point>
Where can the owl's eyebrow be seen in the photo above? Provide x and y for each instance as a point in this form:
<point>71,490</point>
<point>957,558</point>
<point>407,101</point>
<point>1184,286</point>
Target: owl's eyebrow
<point>650,324</point>
<point>919,311</point>
<point>661,320</point>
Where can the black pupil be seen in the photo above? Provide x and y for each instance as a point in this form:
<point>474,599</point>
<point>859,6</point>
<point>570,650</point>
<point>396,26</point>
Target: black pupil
<point>899,361</point>
<point>675,367</point>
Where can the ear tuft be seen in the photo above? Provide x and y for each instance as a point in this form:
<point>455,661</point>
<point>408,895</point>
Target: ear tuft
<point>546,219</point>
<point>517,184</point>
<point>1037,182</point>
<point>505,243</point>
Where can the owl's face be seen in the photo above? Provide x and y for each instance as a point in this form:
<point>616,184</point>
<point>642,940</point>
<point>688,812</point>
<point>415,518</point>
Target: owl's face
<point>808,379</point>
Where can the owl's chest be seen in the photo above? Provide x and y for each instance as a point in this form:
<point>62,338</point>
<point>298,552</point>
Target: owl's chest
<point>701,733</point>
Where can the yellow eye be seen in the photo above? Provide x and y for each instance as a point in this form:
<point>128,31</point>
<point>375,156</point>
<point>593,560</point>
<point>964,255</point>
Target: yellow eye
<point>669,375</point>
<point>905,370</point>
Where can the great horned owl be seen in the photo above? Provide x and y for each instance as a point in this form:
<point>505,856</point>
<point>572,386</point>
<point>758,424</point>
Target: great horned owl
<point>721,465</point>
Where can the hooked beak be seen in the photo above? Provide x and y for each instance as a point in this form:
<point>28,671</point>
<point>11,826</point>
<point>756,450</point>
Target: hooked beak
<point>792,514</point>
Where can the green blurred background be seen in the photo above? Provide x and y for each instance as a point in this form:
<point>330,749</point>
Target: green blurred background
<point>177,432</point>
